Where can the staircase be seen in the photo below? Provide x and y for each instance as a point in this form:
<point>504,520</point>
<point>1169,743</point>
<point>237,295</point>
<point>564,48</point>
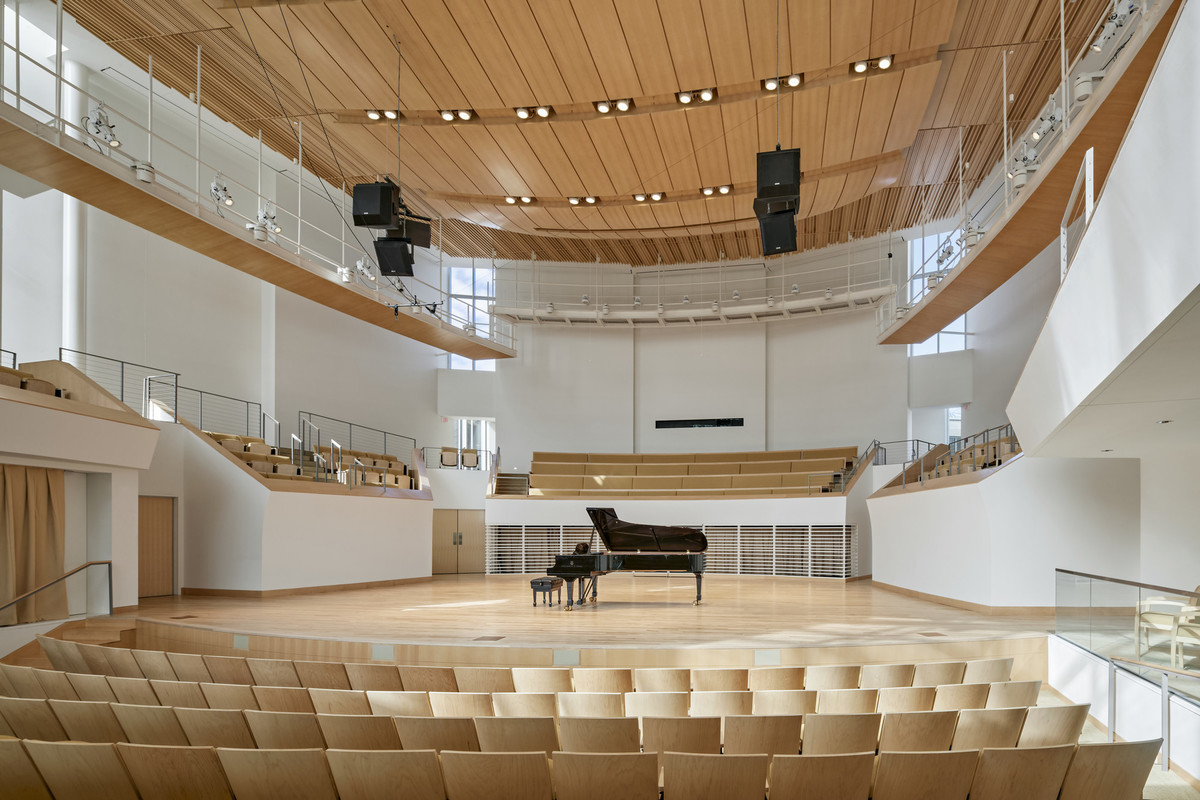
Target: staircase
<point>512,484</point>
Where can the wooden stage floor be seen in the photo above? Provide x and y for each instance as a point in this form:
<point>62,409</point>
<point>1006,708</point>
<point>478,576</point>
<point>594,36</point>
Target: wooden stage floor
<point>642,612</point>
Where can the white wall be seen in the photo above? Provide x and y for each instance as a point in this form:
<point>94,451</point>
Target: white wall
<point>1170,507</point>
<point>458,488</point>
<point>31,258</point>
<point>782,511</point>
<point>941,379</point>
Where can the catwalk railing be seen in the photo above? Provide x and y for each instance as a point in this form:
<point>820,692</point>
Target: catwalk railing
<point>135,385</point>
<point>809,551</point>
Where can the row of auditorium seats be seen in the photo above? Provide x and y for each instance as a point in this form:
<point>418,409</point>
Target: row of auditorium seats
<point>19,379</point>
<point>453,458</point>
<point>783,472</point>
<point>379,470</point>
<point>80,657</point>
<point>37,769</point>
<point>983,455</point>
<point>780,734</point>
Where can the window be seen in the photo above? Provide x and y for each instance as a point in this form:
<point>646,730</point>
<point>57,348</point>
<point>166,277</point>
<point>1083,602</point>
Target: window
<point>953,424</point>
<point>475,434</point>
<point>952,338</point>
<point>472,290</point>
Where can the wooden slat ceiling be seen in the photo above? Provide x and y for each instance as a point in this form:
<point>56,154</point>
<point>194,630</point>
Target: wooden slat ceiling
<point>880,152</point>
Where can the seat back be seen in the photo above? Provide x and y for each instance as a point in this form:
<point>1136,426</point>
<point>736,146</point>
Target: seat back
<point>602,680</point>
<point>154,664</point>
<point>523,734</point>
<point>662,680</point>
<point>274,774</point>
<point>714,777</point>
<point>1046,726</point>
<point>832,677</point>
<point>484,679</point>
<point>284,730</point>
<point>136,691</point>
<point>829,777</point>
<point>775,678</point>
<point>847,701</point>
<point>911,731</point>
<point>371,774</point>
<point>599,735</point>
<point>681,735</point>
<point>358,732</point>
<point>180,694</point>
<point>771,735</point>
<point>541,679</point>
<point>373,677</point>
<point>192,772</point>
<point>123,663</point>
<point>988,727</point>
<point>496,776</point>
<point>273,672</point>
<point>31,718</point>
<point>720,680</point>
<point>324,675</point>
<point>56,684</point>
<point>88,721</point>
<point>21,778</point>
<point>283,698</point>
<point>905,698</point>
<point>339,701</point>
<point>228,669</point>
<point>229,695</point>
<point>92,687</point>
<point>190,667</point>
<point>208,727</point>
<point>1033,773</point>
<point>524,704</point>
<point>602,776</point>
<point>961,695</point>
<point>989,670</point>
<point>657,704</point>
<point>840,733</point>
<point>785,702</point>
<point>938,673</point>
<point>1013,694</point>
<point>396,704</point>
<point>428,679</point>
<point>154,725</point>
<point>590,704</point>
<point>1110,769</point>
<point>944,775</point>
<point>461,704</point>
<point>82,771</point>
<point>884,676</point>
<point>437,733</point>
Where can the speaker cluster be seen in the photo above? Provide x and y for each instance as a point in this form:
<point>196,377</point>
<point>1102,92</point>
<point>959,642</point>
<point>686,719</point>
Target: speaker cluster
<point>777,200</point>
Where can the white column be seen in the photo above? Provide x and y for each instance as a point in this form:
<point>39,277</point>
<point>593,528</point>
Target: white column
<point>74,233</point>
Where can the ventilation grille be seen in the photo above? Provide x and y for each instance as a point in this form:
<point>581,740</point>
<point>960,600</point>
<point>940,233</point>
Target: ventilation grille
<point>807,551</point>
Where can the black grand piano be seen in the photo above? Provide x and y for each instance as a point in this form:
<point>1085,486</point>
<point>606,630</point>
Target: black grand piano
<point>631,546</point>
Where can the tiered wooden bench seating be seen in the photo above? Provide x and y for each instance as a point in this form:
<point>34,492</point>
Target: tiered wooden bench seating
<point>19,379</point>
<point>981,456</point>
<point>783,472</point>
<point>380,469</point>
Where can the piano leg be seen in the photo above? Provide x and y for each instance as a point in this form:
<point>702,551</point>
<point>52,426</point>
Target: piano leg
<point>698,577</point>
<point>570,593</point>
<point>595,581</point>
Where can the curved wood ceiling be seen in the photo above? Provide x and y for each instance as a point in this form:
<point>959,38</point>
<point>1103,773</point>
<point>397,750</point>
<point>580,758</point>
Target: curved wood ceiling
<point>880,151</point>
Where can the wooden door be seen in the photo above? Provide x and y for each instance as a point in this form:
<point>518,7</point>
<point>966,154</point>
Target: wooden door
<point>472,551</point>
<point>156,546</point>
<point>445,547</point>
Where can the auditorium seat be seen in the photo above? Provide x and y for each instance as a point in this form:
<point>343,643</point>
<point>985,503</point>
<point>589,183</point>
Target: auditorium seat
<point>767,678</point>
<point>1047,726</point>
<point>657,704</point>
<point>924,775</point>
<point>372,677</point>
<point>590,704</point>
<point>394,704</point>
<point>917,730</point>
<point>496,776</point>
<point>87,721</point>
<point>156,725</point>
<point>92,687</point>
<point>82,771</point>
<point>601,776</point>
<point>159,771</point>
<point>340,701</point>
<point>602,680</point>
<point>461,704</point>
<point>710,679</point>
<point>484,679</point>
<point>210,727</point>
<point>283,698</point>
<point>599,735</point>
<point>136,691</point>
<point>906,698</point>
<point>961,695</point>
<point>31,718</point>
<point>1010,694</point>
<point>988,727</point>
<point>832,677</point>
<point>938,673</point>
<point>690,776</point>
<point>886,676</point>
<point>842,776</point>
<point>274,774</point>
<point>1114,769</point>
<point>283,730</point>
<point>517,734</point>
<point>369,775</point>
<point>774,735</point>
<point>847,701</point>
<point>524,704</point>
<point>358,732</point>
<point>1032,774</point>
<point>229,695</point>
<point>662,680</point>
<point>437,733</point>
<point>785,702</point>
<point>840,733</point>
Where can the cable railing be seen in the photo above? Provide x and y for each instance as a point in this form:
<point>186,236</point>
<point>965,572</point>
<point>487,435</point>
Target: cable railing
<point>210,411</point>
<point>81,568</point>
<point>169,149</point>
<point>901,451</point>
<point>1042,142</point>
<point>8,359</point>
<point>359,438</point>
<point>988,448</point>
<point>135,385</point>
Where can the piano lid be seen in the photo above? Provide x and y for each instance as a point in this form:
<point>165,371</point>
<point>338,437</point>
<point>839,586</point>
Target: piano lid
<point>621,536</point>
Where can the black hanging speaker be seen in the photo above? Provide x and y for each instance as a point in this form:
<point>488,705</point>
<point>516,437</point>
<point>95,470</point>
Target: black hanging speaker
<point>778,233</point>
<point>375,205</point>
<point>395,256</point>
<point>779,173</point>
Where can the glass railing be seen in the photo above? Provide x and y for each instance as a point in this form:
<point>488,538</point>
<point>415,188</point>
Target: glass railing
<point>1142,625</point>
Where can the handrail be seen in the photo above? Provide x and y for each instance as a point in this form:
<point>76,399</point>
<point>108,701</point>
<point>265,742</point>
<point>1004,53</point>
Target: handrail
<point>1146,664</point>
<point>407,443</point>
<point>297,448</point>
<point>262,427</point>
<point>63,577</point>
<point>333,445</point>
<point>1124,582</point>
<point>307,428</point>
<point>354,473</point>
<point>1164,687</point>
<point>146,394</point>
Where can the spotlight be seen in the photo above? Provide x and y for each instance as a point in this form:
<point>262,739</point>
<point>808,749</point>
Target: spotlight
<point>771,300</point>
<point>656,196</point>
<point>624,105</point>
<point>885,62</point>
<point>390,114</point>
<point>589,200</point>
<point>771,84</point>
<point>641,198</point>
<point>542,111</point>
<point>660,308</point>
<point>684,97</point>
<point>707,94</point>
<point>637,300</point>
<point>364,270</point>
<point>266,218</point>
<point>860,66</point>
<point>603,106</point>
<point>707,191</point>
<point>795,288</point>
<point>344,274</point>
<point>716,306</point>
<point>724,189</point>
<point>448,116</point>
<point>737,295</point>
<point>550,308</point>
<point>829,294</point>
<point>510,200</point>
<point>220,192</point>
<point>99,125</point>
<point>584,299</point>
<point>464,114</point>
<point>604,309</point>
<point>374,115</point>
<point>793,80</point>
<point>526,200</point>
<point>523,113</point>
<point>686,300</point>
<point>573,201</point>
<point>1164,422</point>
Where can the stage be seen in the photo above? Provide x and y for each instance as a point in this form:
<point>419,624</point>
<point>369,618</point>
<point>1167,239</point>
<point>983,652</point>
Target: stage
<point>640,620</point>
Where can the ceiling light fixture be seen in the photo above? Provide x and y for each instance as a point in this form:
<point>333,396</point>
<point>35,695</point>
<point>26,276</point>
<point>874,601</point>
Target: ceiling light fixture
<point>707,191</point>
<point>464,114</point>
<point>737,295</point>
<point>660,308</point>
<point>589,200</point>
<point>448,116</point>
<point>686,299</point>
<point>1164,422</point>
<point>684,97</point>
<point>550,308</point>
<point>523,113</point>
<point>706,95</point>
<point>603,106</point>
<point>641,198</point>
<point>723,189</point>
<point>795,288</point>
<point>390,114</point>
<point>220,192</point>
<point>573,201</point>
<point>624,105</point>
<point>526,199</point>
<point>656,196</point>
<point>716,306</point>
<point>770,84</point>
<point>829,294</point>
<point>372,114</point>
<point>637,300</point>
<point>542,111</point>
<point>860,66</point>
<point>793,80</point>
<point>604,309</point>
<point>584,299</point>
<point>885,62</point>
<point>771,300</point>
<point>99,125</point>
<point>364,270</point>
<point>510,200</point>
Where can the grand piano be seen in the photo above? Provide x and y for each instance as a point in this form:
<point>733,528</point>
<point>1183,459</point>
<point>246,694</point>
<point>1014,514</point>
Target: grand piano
<point>631,546</point>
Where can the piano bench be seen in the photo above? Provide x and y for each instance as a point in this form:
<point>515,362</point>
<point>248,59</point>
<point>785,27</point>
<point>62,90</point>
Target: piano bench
<point>546,586</point>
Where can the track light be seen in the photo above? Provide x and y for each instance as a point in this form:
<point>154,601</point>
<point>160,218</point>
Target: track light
<point>265,223</point>
<point>344,273</point>
<point>884,62</point>
<point>99,125</point>
<point>604,310</point>
<point>589,200</point>
<point>707,191</point>
<point>550,308</point>
<point>523,113</point>
<point>829,294</point>
<point>716,306</point>
<point>684,97</point>
<point>795,288</point>
<point>220,192</point>
<point>860,66</point>
<point>510,200</point>
<point>372,114</point>
<point>448,116</point>
<point>542,111</point>
<point>527,200</point>
<point>771,84</point>
<point>723,189</point>
<point>464,114</point>
<point>637,300</point>
<point>624,105</point>
<point>707,95</point>
<point>584,299</point>
<point>390,114</point>
<point>573,201</point>
<point>771,300</point>
<point>603,106</point>
<point>641,198</point>
<point>660,308</point>
<point>793,80</point>
<point>364,270</point>
<point>686,299</point>
<point>656,196</point>
<point>737,295</point>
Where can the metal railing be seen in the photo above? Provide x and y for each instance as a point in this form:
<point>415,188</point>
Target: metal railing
<point>8,358</point>
<point>310,442</point>
<point>1070,230</point>
<point>135,385</point>
<point>63,577</point>
<point>220,413</point>
<point>1000,433</point>
<point>172,150</point>
<point>955,454</point>
<point>901,451</point>
<point>361,438</point>
<point>433,459</point>
<point>1037,146</point>
<point>262,428</point>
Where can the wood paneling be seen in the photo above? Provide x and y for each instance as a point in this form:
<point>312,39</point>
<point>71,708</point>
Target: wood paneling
<point>472,553</point>
<point>156,546</point>
<point>445,548</point>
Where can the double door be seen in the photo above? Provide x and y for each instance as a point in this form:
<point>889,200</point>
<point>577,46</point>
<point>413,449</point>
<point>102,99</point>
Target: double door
<point>459,541</point>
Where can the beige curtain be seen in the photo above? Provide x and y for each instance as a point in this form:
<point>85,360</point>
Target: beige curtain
<point>32,541</point>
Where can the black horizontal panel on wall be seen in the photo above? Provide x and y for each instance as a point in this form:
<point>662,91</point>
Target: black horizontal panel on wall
<point>723,422</point>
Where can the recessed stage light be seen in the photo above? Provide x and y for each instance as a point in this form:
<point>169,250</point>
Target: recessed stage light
<point>724,189</point>
<point>523,113</point>
<point>573,201</point>
<point>390,114</point>
<point>464,114</point>
<point>372,114</point>
<point>641,198</point>
<point>860,66</point>
<point>1164,422</point>
<point>448,116</point>
<point>885,62</point>
<point>589,200</point>
<point>656,196</point>
<point>686,300</point>
<point>716,306</point>
<point>771,84</point>
<point>510,200</point>
<point>526,199</point>
<point>542,111</point>
<point>793,80</point>
<point>624,105</point>
<point>707,191</point>
<point>684,97</point>
<point>707,94</point>
<point>603,106</point>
